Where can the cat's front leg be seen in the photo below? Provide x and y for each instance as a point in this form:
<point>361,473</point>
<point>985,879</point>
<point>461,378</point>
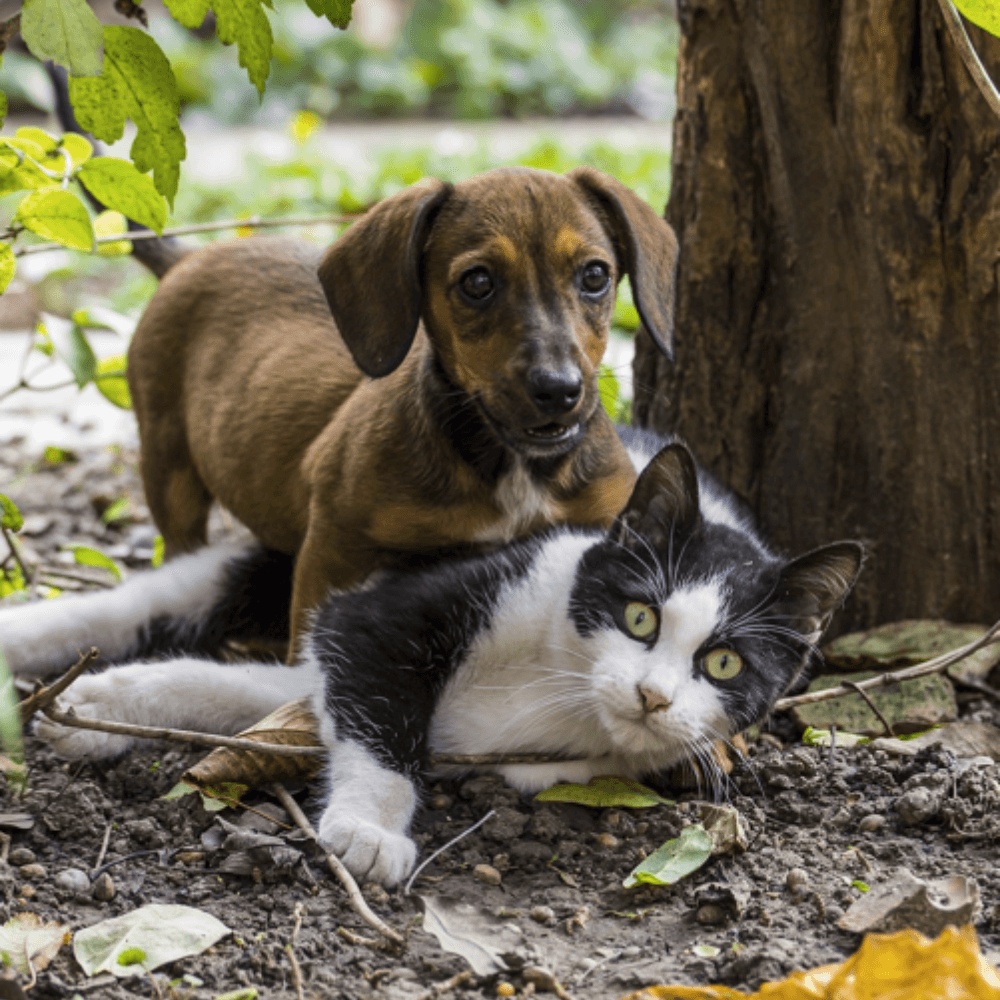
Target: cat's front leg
<point>537,777</point>
<point>368,814</point>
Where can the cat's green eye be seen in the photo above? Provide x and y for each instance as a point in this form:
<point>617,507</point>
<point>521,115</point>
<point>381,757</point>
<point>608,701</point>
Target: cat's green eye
<point>640,620</point>
<point>723,664</point>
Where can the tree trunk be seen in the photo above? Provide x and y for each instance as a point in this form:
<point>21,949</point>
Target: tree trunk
<point>836,194</point>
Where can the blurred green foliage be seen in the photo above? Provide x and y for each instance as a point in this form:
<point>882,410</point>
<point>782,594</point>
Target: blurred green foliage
<point>452,58</point>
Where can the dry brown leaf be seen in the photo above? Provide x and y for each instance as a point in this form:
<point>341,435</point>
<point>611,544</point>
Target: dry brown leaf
<point>291,725</point>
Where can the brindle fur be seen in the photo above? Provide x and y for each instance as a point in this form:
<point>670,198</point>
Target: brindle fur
<point>352,407</point>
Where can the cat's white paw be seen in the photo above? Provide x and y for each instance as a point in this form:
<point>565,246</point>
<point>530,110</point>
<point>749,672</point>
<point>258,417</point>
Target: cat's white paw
<point>371,853</point>
<point>536,777</point>
<point>94,696</point>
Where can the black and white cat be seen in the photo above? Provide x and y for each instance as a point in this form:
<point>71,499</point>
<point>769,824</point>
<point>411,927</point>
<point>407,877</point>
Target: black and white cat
<point>629,650</point>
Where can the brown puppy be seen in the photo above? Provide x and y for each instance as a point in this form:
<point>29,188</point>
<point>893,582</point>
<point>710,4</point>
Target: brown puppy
<point>451,397</point>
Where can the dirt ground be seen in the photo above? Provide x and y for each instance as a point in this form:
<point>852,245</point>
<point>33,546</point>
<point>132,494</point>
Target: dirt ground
<point>559,902</point>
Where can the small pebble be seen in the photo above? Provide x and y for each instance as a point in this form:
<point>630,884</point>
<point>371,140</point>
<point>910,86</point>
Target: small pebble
<point>190,857</point>
<point>608,840</point>
<point>872,823</point>
<point>505,990</point>
<point>543,914</point>
<point>613,818</point>
<point>441,801</point>
<point>33,871</point>
<point>104,888</point>
<point>72,880</point>
<point>541,979</point>
<point>797,880</point>
<point>710,914</point>
<point>632,951</point>
<point>27,891</point>
<point>487,874</point>
<point>20,856</point>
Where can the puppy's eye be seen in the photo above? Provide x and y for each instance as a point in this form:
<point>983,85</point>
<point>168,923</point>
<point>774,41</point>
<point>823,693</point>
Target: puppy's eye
<point>640,620</point>
<point>477,284</point>
<point>595,277</point>
<point>723,664</point>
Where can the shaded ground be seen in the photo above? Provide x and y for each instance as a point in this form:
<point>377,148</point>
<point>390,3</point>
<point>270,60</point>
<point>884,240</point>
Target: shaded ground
<point>560,867</point>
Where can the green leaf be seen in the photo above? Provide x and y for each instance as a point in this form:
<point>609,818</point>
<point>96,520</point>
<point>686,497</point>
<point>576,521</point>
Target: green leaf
<point>605,792</point>
<point>824,737</point>
<point>3,107</point>
<point>163,932</point>
<point>118,185</point>
<point>57,215</point>
<point>625,316</point>
<point>65,31</point>
<point>190,13</point>
<point>137,83</point>
<point>984,13</point>
<point>675,859</point>
<point>116,511</point>
<point>71,344</point>
<point>10,716</point>
<point>54,456</point>
<point>215,798</point>
<point>337,12</point>
<point>10,516</point>
<point>607,385</point>
<point>244,22</point>
<point>17,171</point>
<point>159,548</point>
<point>111,223</point>
<point>86,556</point>
<point>705,950</point>
<point>859,885</point>
<point>8,265</point>
<point>179,790</point>
<point>79,149</point>
<point>111,382</point>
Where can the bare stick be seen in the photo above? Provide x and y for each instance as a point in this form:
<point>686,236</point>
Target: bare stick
<point>439,989</point>
<point>444,847</point>
<point>66,574</point>
<point>8,30</point>
<point>8,538</point>
<point>345,878</point>
<point>935,666</point>
<point>969,56</point>
<point>296,972</point>
<point>854,686</point>
<point>70,718</point>
<point>254,222</point>
<point>44,696</point>
<point>104,846</point>
<point>487,759</point>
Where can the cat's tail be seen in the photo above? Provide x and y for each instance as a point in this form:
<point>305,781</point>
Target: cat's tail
<point>159,253</point>
<point>194,604</point>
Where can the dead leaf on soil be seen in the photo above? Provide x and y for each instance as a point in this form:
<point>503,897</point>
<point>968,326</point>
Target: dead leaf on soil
<point>963,739</point>
<point>675,859</point>
<point>725,826</point>
<point>470,931</point>
<point>291,725</point>
<point>605,792</point>
<point>16,820</point>
<point>907,901</point>
<point>27,942</point>
<point>145,939</point>
<point>906,643</point>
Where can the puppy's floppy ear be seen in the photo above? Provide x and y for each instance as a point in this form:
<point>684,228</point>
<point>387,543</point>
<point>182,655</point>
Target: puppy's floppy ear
<point>664,502</point>
<point>371,277</point>
<point>646,246</point>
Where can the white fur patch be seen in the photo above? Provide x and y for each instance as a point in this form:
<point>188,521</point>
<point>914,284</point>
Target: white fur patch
<point>521,503</point>
<point>47,636</point>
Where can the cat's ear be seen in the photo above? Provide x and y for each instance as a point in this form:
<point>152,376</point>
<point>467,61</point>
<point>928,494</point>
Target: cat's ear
<point>813,586</point>
<point>664,503</point>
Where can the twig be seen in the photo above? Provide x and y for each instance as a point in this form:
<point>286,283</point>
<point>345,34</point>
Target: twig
<point>70,718</point>
<point>937,665</point>
<point>296,972</point>
<point>254,222</point>
<point>969,56</point>
<point>44,696</point>
<point>496,759</point>
<point>345,878</point>
<point>439,989</point>
<point>65,574</point>
<point>454,840</point>
<point>104,846</point>
<point>854,686</point>
<point>8,538</point>
<point>8,30</point>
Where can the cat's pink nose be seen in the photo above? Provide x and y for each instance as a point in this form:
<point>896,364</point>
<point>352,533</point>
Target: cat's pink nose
<point>653,700</point>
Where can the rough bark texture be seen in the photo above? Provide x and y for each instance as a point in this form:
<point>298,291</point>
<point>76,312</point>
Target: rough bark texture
<point>837,198</point>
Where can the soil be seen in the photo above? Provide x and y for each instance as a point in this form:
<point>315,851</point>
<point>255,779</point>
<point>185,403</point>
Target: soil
<point>769,910</point>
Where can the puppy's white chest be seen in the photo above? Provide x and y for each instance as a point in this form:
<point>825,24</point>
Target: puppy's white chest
<point>521,502</point>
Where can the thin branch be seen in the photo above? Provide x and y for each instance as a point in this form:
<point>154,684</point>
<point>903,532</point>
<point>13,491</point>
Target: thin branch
<point>345,878</point>
<point>8,30</point>
<point>969,56</point>
<point>935,666</point>
<point>495,759</point>
<point>444,847</point>
<point>70,718</point>
<point>886,725</point>
<point>254,222</point>
<point>42,697</point>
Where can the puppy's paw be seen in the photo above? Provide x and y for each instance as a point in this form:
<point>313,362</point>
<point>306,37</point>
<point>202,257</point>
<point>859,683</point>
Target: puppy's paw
<point>370,852</point>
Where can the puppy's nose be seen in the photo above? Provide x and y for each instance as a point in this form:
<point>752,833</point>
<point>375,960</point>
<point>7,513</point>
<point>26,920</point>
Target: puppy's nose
<point>653,700</point>
<point>555,391</point>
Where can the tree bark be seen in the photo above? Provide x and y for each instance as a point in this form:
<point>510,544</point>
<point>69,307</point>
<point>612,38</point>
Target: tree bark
<point>836,194</point>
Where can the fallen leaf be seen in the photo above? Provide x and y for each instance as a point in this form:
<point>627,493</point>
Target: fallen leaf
<point>291,725</point>
<point>163,932</point>
<point>963,739</point>
<point>824,738</point>
<point>725,826</point>
<point>16,820</point>
<point>675,859</point>
<point>27,942</point>
<point>705,950</point>
<point>470,931</point>
<point>605,792</point>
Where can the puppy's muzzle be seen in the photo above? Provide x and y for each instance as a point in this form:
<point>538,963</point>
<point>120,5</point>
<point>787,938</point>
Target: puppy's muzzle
<point>555,391</point>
